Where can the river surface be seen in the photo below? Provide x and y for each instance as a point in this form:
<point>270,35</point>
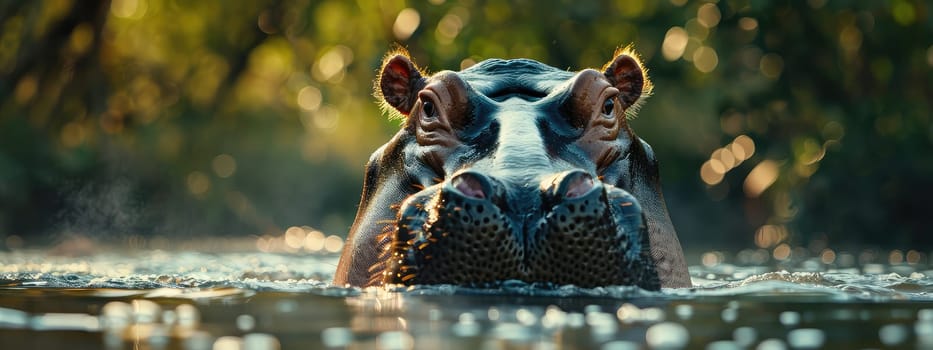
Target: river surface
<point>187,299</point>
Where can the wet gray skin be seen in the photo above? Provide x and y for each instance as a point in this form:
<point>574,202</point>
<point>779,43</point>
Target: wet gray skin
<point>513,170</point>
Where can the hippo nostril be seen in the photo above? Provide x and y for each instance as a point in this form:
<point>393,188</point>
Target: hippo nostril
<point>579,184</point>
<point>471,185</point>
<point>572,184</point>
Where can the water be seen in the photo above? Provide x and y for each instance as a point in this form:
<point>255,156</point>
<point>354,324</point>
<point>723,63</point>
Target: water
<point>155,299</point>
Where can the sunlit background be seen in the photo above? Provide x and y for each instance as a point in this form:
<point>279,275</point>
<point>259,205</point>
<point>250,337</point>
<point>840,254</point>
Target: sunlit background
<point>783,128</point>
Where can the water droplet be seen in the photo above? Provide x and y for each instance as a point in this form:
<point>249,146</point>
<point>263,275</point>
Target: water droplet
<point>925,315</point>
<point>245,323</point>
<point>745,336</point>
<point>723,345</point>
<point>806,338</point>
<point>554,317</point>
<point>575,320</point>
<point>336,337</point>
<point>286,306</point>
<point>526,317</point>
<point>621,345</point>
<point>188,316</point>
<point>511,332</point>
<point>145,311</point>
<point>115,315</point>
<point>228,343</point>
<point>684,311</point>
<point>261,341</point>
<point>667,335</point>
<point>893,334</point>
<point>789,318</point>
<point>771,344</point>
<point>924,332</point>
<point>198,340</point>
<point>729,315</point>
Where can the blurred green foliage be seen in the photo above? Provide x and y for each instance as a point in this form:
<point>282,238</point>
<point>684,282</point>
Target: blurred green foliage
<point>177,118</point>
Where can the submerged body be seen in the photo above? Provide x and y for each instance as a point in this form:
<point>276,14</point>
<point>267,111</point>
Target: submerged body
<point>513,170</point>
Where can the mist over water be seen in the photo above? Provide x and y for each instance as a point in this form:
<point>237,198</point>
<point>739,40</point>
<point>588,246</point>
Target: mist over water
<point>100,209</point>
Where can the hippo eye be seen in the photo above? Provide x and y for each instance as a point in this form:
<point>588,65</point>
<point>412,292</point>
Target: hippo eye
<point>608,107</point>
<point>428,109</point>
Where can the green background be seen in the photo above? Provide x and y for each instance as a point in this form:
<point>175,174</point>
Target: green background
<point>172,119</point>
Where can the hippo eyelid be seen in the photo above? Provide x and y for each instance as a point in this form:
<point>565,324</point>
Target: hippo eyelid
<point>428,109</point>
<point>609,107</point>
<point>608,97</point>
<point>428,96</point>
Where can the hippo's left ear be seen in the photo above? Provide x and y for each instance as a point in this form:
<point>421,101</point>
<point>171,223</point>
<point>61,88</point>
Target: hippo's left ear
<point>626,73</point>
<point>399,83</point>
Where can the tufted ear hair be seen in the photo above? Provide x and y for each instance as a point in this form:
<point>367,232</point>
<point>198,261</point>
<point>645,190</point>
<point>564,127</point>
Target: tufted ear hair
<point>626,73</point>
<point>399,82</point>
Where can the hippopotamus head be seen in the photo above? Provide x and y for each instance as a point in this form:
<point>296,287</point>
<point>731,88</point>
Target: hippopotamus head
<point>513,170</point>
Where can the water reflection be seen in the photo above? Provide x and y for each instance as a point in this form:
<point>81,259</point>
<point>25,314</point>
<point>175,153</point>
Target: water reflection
<point>188,300</point>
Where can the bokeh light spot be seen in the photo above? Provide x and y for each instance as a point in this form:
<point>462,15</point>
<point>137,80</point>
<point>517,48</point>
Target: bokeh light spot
<point>725,156</point>
<point>81,38</point>
<point>266,24</point>
<point>771,65</point>
<point>748,23</point>
<point>198,183</point>
<point>708,15</point>
<point>710,259</point>
<point>903,12</point>
<point>73,134</point>
<point>224,165</point>
<point>325,118</point>
<point>696,30</point>
<point>709,174</point>
<point>467,63</point>
<point>675,41</point>
<point>770,235</point>
<point>828,256</point>
<point>26,88</point>
<point>781,252</point>
<point>309,98</point>
<point>295,237</point>
<point>760,178</point>
<point>833,131</point>
<point>705,59</point>
<point>913,256</point>
<point>131,9</point>
<point>850,38</point>
<point>332,63</point>
<point>406,23</point>
<point>314,241</point>
<point>448,28</point>
<point>743,145</point>
<point>333,244</point>
<point>896,257</point>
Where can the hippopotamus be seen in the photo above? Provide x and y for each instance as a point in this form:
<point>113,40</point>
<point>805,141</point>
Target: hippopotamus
<point>513,170</point>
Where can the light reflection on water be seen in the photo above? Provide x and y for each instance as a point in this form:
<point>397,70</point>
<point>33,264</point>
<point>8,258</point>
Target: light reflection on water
<point>191,300</point>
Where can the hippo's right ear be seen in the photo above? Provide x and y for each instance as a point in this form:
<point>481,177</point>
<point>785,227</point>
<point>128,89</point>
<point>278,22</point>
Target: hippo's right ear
<point>627,73</point>
<point>399,83</point>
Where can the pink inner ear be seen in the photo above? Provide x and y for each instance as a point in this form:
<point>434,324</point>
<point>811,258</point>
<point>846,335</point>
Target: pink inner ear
<point>626,75</point>
<point>398,67</point>
<point>395,83</point>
